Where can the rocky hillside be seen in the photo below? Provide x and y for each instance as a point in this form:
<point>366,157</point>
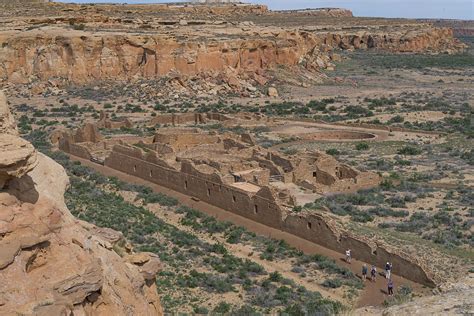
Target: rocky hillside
<point>52,263</point>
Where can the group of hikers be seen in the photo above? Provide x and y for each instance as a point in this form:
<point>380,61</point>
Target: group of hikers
<point>373,272</point>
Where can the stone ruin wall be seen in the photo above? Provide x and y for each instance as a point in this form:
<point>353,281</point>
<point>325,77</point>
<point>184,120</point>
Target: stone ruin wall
<point>315,228</point>
<point>261,207</point>
<point>184,118</point>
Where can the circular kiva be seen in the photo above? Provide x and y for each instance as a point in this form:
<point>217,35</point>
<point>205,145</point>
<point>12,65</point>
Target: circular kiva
<point>338,135</point>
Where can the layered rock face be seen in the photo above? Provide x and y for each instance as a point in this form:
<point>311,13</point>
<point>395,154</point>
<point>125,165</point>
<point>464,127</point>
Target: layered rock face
<point>84,57</point>
<point>106,42</point>
<point>54,264</point>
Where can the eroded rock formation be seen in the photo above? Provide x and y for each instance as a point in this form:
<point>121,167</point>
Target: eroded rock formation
<point>52,263</point>
<point>82,57</point>
<point>227,42</point>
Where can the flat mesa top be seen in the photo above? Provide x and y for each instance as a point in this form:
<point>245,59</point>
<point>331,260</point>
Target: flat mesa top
<point>245,186</point>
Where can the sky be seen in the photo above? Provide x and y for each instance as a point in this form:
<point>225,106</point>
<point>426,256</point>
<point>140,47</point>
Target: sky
<point>446,9</point>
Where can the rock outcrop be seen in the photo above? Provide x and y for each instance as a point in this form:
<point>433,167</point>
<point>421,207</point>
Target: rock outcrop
<point>52,263</point>
<point>7,122</point>
<point>17,158</point>
<point>454,299</point>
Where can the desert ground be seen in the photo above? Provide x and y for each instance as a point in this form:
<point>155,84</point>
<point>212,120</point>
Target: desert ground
<point>389,98</point>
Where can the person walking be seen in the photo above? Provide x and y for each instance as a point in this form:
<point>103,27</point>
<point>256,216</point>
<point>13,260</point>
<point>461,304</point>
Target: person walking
<point>348,256</point>
<point>373,273</point>
<point>388,269</point>
<point>364,272</point>
<point>390,287</point>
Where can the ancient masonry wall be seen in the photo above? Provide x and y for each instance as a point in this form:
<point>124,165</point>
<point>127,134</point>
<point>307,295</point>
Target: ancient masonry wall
<point>260,207</point>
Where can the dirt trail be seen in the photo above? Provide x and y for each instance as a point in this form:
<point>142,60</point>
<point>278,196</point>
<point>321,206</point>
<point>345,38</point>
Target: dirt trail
<point>372,295</point>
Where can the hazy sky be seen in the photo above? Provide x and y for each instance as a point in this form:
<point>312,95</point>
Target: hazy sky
<point>448,9</point>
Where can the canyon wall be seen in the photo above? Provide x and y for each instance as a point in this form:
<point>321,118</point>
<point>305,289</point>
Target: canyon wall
<point>82,57</point>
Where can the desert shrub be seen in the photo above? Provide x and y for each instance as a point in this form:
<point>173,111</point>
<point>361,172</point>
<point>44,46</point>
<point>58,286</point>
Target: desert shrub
<point>297,269</point>
<point>234,235</point>
<point>297,208</point>
<point>396,119</point>
<point>78,27</point>
<point>275,276</point>
<point>409,151</point>
<point>245,310</point>
<point>320,105</point>
<point>222,308</point>
<point>261,129</point>
<point>361,217</point>
<point>383,101</point>
<point>362,146</point>
<point>396,201</point>
<point>290,151</point>
<point>385,212</point>
<point>356,111</point>
<point>333,152</point>
<point>332,283</point>
<point>160,198</point>
<point>200,310</point>
<point>403,295</point>
<point>468,156</point>
<point>415,224</point>
<point>313,307</point>
<point>39,139</point>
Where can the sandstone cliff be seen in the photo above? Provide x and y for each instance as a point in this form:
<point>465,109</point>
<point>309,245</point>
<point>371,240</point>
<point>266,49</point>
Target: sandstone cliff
<point>82,57</point>
<point>52,263</point>
<point>84,44</point>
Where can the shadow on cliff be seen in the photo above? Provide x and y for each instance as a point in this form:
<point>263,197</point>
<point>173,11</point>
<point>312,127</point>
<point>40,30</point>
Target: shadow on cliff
<point>23,189</point>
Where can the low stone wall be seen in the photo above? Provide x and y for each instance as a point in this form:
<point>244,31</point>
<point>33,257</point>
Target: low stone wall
<point>80,151</point>
<point>383,127</point>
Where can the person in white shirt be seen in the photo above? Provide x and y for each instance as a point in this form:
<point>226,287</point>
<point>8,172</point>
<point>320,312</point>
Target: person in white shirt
<point>348,256</point>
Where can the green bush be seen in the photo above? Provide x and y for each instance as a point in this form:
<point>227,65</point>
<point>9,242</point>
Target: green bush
<point>362,146</point>
<point>333,152</point>
<point>222,308</point>
<point>332,283</point>
<point>409,151</point>
<point>160,198</point>
<point>275,276</point>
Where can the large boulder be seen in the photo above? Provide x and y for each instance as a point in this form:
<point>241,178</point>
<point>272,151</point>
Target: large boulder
<point>272,92</point>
